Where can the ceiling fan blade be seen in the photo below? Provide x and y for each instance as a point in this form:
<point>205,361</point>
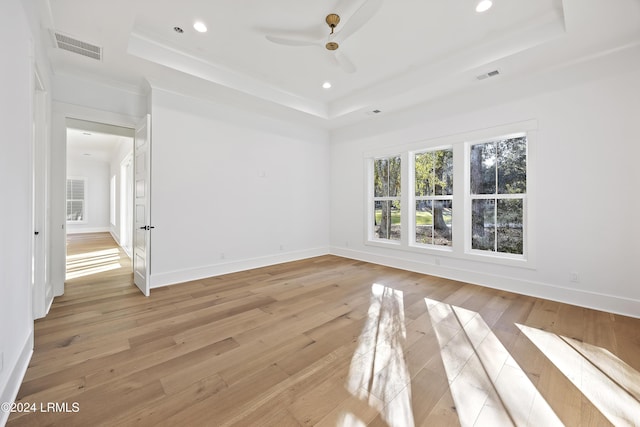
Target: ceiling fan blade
<point>360,17</point>
<point>343,61</point>
<point>291,42</point>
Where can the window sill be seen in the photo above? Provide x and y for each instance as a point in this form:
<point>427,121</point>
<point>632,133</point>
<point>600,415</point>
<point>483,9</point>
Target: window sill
<point>382,243</point>
<point>450,252</point>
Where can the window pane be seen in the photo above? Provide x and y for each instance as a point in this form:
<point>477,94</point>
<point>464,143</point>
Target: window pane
<point>386,177</point>
<point>444,172</point>
<point>424,174</point>
<point>512,166</point>
<point>482,224</point>
<point>387,219</point>
<point>424,222</point>
<point>380,177</point>
<point>75,210</point>
<point>434,173</point>
<point>510,226</point>
<point>442,214</point>
<point>433,222</point>
<point>394,177</point>
<point>483,168</point>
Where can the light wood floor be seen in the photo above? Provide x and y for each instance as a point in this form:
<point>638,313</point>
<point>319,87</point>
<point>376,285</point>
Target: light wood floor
<point>326,341</point>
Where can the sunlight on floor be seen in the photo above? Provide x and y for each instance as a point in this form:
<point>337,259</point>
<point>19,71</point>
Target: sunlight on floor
<point>348,419</point>
<point>610,384</point>
<point>487,384</point>
<point>378,372</point>
<point>85,264</point>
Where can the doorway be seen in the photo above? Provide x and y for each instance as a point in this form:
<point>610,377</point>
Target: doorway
<point>99,187</point>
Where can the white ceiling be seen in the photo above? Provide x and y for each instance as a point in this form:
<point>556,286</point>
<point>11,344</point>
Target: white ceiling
<point>96,146</point>
<point>410,52</point>
<point>96,141</point>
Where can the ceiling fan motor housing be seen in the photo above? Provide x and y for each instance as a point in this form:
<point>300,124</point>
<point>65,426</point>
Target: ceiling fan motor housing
<point>332,20</point>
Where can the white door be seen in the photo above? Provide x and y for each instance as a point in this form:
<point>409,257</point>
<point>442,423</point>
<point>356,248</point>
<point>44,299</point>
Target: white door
<point>142,217</point>
<point>42,289</point>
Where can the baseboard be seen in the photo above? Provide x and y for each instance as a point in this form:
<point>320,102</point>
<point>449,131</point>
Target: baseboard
<point>115,237</point>
<point>181,276</point>
<point>18,371</point>
<point>49,304</point>
<point>592,300</point>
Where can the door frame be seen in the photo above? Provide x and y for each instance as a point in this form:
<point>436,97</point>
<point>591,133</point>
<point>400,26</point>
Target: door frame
<point>61,112</point>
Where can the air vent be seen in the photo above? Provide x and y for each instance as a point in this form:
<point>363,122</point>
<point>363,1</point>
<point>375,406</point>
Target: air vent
<point>373,112</point>
<point>77,46</point>
<point>487,75</point>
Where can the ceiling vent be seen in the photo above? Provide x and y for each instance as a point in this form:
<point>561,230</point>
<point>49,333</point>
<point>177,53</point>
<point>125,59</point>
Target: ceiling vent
<point>487,75</point>
<point>77,46</point>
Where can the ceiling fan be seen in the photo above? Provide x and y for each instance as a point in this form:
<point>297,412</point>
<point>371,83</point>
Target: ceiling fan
<point>359,18</point>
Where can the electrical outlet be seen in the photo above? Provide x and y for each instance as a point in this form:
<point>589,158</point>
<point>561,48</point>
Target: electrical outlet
<point>574,277</point>
<point>282,247</point>
<point>221,255</point>
<point>437,261</point>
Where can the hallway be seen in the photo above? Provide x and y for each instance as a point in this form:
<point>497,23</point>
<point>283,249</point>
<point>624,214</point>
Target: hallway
<point>95,259</point>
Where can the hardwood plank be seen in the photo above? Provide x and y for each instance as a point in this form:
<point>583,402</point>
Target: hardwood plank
<point>322,341</point>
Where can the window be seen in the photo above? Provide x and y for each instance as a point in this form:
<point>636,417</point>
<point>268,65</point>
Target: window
<point>433,171</point>
<point>498,188</point>
<point>386,198</point>
<point>484,174</point>
<point>76,188</point>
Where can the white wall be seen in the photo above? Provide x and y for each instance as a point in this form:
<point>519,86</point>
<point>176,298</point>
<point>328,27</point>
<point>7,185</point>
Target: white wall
<point>99,96</point>
<point>97,192</point>
<point>232,190</point>
<point>124,149</point>
<point>16,235</point>
<point>586,174</point>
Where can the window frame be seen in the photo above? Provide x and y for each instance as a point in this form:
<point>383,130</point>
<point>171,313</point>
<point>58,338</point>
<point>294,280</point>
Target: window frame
<point>85,181</point>
<point>413,198</point>
<point>499,257</point>
<point>372,198</point>
<point>461,220</point>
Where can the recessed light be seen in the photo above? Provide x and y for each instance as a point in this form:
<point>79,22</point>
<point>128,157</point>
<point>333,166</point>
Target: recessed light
<point>326,85</point>
<point>200,27</point>
<point>483,6</point>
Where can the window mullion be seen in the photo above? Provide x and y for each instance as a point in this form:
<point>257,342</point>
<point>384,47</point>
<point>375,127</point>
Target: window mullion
<point>405,198</point>
<point>461,222</point>
<point>411,198</point>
